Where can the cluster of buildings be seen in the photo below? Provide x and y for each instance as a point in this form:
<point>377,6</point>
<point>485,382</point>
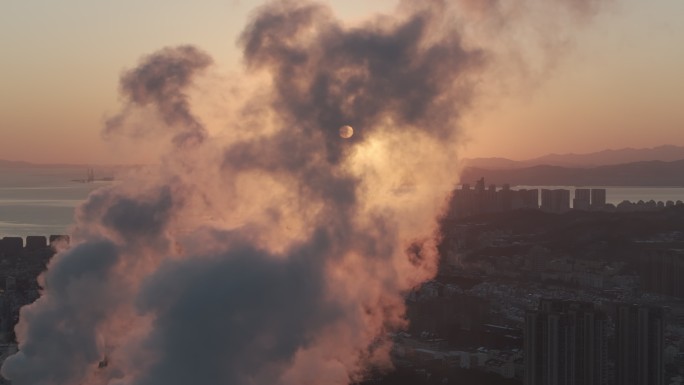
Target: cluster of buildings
<point>480,199</point>
<point>590,333</point>
<point>566,343</point>
<point>15,246</point>
<point>598,299</point>
<point>507,363</point>
<point>21,261</point>
<point>562,341</point>
<point>651,205</point>
<point>661,271</point>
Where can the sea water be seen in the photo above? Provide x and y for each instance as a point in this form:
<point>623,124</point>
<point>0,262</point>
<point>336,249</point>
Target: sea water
<point>41,200</point>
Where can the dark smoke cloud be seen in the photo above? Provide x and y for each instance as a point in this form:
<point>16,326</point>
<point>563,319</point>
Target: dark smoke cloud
<point>160,82</point>
<point>276,254</point>
<point>131,216</point>
<point>495,8</point>
<point>245,312</point>
<point>383,70</point>
<point>63,346</point>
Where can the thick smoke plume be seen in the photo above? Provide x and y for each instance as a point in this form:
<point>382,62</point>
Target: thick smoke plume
<point>161,81</point>
<point>264,248</point>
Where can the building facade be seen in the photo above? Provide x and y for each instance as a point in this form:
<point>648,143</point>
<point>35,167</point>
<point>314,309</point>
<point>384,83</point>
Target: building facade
<point>555,201</point>
<point>639,345</point>
<point>565,344</point>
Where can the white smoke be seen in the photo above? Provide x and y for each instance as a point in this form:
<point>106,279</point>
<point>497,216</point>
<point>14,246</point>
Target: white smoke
<point>263,248</point>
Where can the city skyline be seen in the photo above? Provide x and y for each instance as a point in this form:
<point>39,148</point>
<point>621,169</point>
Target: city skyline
<point>610,80</point>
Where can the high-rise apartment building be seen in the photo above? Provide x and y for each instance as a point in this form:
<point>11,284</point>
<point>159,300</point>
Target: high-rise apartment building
<point>598,198</point>
<point>525,199</point>
<point>565,344</point>
<point>555,201</point>
<point>661,271</point>
<point>582,199</point>
<point>639,345</point>
<point>469,201</point>
<point>586,199</point>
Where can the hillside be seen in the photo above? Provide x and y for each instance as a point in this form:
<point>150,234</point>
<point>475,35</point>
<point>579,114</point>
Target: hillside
<point>667,153</point>
<point>653,173</point>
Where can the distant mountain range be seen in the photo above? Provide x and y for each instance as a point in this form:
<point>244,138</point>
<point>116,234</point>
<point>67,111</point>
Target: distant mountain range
<point>658,166</point>
<point>12,164</point>
<point>648,173</point>
<point>21,164</point>
<point>667,153</point>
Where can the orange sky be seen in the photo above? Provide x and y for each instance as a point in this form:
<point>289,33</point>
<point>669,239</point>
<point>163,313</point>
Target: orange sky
<point>617,84</point>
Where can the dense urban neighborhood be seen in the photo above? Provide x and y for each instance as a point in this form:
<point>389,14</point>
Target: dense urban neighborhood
<point>525,294</point>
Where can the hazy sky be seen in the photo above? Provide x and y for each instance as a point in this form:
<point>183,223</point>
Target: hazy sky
<point>619,83</point>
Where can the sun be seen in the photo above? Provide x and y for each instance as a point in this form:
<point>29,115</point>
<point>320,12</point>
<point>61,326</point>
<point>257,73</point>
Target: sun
<point>346,132</point>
